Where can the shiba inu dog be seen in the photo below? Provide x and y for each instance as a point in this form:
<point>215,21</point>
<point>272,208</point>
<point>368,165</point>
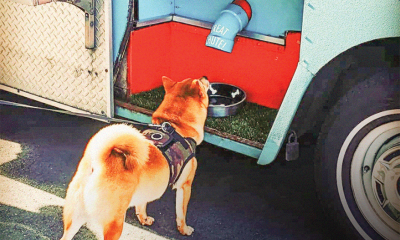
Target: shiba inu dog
<point>120,167</point>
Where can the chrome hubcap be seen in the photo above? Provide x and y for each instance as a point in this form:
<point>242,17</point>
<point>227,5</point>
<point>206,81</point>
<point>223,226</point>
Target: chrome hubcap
<point>385,182</point>
<point>375,177</point>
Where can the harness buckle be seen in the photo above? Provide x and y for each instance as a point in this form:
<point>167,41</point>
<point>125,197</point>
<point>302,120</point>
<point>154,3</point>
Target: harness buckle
<point>167,127</point>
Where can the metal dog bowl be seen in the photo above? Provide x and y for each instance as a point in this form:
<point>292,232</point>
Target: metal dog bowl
<point>225,99</point>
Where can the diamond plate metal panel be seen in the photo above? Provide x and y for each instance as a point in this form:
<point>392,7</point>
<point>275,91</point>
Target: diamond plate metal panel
<point>42,52</point>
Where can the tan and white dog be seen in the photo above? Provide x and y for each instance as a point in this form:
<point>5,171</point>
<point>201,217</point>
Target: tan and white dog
<point>121,168</point>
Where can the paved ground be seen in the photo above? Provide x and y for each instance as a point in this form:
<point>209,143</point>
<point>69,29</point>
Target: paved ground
<point>232,198</point>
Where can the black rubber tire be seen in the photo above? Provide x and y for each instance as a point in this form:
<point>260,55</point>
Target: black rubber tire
<point>378,93</point>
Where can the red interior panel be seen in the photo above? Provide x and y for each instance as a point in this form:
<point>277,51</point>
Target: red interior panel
<point>263,70</point>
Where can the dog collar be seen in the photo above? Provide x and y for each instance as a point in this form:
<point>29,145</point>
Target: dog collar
<point>176,149</point>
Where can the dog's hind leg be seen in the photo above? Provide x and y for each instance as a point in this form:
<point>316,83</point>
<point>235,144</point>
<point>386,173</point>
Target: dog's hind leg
<point>142,215</point>
<point>72,224</point>
<point>113,229</point>
<point>183,191</point>
<point>74,214</point>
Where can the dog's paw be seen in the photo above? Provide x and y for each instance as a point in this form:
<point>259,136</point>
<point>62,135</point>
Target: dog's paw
<point>147,221</point>
<point>186,230</point>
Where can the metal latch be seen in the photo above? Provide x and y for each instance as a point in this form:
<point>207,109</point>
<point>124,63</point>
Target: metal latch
<point>88,6</point>
<point>292,147</point>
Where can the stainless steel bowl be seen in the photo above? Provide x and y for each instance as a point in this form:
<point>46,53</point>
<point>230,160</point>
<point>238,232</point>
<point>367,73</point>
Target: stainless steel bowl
<point>225,99</point>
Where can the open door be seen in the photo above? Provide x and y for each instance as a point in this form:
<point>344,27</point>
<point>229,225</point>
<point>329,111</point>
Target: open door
<point>58,53</point>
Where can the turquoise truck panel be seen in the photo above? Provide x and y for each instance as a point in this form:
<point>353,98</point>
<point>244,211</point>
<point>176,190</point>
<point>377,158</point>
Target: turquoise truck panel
<point>332,27</point>
<point>302,77</point>
<point>119,21</point>
<point>155,9</point>
<point>329,28</point>
<point>272,18</point>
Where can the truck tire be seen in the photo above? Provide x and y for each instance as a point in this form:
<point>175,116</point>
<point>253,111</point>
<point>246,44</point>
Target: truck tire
<point>357,161</point>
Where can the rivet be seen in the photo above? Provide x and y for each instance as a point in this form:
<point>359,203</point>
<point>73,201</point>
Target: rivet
<point>308,39</point>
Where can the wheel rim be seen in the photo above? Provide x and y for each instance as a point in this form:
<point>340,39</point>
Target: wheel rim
<point>386,185</point>
<point>372,179</point>
<point>375,176</point>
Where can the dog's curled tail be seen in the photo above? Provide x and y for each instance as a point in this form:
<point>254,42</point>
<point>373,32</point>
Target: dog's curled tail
<point>118,141</point>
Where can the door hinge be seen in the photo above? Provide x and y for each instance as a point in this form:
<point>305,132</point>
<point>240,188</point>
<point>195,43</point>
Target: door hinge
<point>88,6</point>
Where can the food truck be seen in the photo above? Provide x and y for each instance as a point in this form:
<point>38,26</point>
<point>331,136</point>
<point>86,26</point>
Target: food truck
<point>326,69</point>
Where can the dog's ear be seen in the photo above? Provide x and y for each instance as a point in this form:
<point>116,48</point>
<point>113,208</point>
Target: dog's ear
<point>167,83</point>
<point>196,85</point>
<point>205,81</point>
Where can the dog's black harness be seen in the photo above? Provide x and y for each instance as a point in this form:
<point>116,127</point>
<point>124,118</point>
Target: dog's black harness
<point>176,149</point>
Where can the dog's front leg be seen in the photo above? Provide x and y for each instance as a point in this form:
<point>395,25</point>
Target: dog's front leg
<point>141,214</point>
<point>183,192</point>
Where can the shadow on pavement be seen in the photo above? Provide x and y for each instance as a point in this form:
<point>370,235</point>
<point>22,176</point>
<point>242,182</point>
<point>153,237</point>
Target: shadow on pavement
<point>19,224</point>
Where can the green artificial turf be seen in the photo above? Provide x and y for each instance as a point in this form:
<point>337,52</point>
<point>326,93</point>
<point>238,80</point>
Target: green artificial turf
<point>252,122</point>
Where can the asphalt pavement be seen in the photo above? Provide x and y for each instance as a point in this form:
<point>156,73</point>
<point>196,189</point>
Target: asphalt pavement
<point>232,196</point>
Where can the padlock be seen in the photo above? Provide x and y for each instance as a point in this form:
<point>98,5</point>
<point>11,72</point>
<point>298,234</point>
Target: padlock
<point>292,147</point>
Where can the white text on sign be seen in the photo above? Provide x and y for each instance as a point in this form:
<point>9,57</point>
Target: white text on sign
<point>220,29</point>
<point>216,42</point>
